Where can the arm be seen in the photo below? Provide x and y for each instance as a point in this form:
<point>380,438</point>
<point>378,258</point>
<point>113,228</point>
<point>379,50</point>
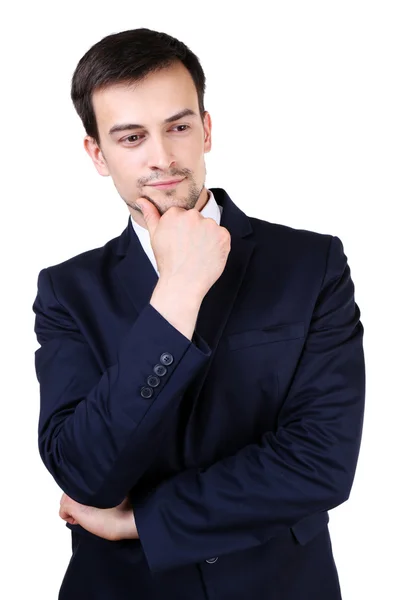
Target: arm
<point>307,465</point>
<point>97,434</point>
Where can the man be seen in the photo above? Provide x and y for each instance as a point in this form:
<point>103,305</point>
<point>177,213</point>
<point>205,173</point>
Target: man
<point>202,374</point>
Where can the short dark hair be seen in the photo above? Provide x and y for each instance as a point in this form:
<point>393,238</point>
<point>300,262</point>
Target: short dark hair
<point>128,57</point>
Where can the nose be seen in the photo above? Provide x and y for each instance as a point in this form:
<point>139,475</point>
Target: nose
<point>160,154</point>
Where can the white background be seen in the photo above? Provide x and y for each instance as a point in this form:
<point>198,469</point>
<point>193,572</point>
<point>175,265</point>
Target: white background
<point>304,98</point>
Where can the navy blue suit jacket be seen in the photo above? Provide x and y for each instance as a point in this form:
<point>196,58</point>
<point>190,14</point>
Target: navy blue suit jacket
<point>232,446</point>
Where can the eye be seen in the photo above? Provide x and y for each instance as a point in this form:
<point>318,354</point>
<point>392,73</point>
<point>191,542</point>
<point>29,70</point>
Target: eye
<point>129,138</point>
<point>187,126</point>
<point>132,139</point>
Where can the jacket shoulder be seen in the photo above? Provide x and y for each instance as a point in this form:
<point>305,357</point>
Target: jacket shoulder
<point>90,260</point>
<point>291,238</point>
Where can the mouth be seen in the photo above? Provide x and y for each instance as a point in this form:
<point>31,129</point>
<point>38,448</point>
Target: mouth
<point>166,184</point>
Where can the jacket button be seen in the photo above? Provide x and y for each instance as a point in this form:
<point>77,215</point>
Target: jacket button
<point>159,370</point>
<point>166,359</point>
<point>146,392</point>
<point>153,381</point>
<point>211,561</point>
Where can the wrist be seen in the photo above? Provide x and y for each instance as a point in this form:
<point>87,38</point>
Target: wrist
<point>126,526</point>
<point>175,293</point>
<point>178,305</point>
<point>180,288</point>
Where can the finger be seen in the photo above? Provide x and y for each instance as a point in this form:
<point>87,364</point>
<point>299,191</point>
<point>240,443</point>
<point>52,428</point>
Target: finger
<point>64,513</point>
<point>150,214</point>
<point>66,516</point>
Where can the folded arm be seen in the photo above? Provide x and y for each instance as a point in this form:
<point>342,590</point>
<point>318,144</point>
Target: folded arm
<point>304,467</point>
<point>97,432</point>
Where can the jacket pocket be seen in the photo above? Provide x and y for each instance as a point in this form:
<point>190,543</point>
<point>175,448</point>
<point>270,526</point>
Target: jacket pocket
<point>266,335</point>
<point>307,528</point>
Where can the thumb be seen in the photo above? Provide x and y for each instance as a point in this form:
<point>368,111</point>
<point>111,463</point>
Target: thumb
<point>150,214</point>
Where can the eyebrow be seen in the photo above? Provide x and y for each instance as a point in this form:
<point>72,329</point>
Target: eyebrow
<point>186,112</point>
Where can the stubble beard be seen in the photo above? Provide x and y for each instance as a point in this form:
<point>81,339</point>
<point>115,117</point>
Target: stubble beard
<point>187,203</point>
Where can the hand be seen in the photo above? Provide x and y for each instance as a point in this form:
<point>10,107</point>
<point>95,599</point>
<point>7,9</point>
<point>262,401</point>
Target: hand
<point>113,524</point>
<point>190,250</point>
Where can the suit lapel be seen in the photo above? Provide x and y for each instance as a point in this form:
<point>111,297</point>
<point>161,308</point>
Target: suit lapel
<point>218,302</point>
<point>135,272</point>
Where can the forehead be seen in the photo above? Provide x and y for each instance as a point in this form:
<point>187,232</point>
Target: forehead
<point>158,96</point>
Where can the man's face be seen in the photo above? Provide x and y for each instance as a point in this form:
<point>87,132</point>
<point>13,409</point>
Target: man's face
<point>138,148</point>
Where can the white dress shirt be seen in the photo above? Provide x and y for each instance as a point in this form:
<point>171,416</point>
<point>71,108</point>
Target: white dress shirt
<point>211,210</point>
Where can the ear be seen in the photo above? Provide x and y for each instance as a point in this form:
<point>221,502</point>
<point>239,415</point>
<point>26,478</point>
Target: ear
<point>207,131</point>
<point>95,153</point>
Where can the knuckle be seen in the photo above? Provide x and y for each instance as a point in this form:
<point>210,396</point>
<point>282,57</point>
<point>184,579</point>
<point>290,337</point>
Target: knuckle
<point>225,232</point>
<point>174,210</point>
<point>225,235</point>
<point>192,213</point>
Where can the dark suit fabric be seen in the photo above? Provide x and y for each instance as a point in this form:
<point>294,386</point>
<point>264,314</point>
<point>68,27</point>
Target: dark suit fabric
<point>251,436</point>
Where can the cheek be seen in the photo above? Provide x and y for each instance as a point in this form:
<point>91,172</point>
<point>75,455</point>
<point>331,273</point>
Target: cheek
<point>189,150</point>
<point>124,168</point>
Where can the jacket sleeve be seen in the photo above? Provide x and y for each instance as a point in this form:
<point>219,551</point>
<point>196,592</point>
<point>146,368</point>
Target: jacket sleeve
<point>305,466</point>
<point>96,431</point>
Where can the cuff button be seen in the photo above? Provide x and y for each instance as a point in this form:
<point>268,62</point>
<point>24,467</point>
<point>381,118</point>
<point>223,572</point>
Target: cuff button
<point>166,359</point>
<point>159,370</point>
<point>153,381</point>
<point>146,392</point>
